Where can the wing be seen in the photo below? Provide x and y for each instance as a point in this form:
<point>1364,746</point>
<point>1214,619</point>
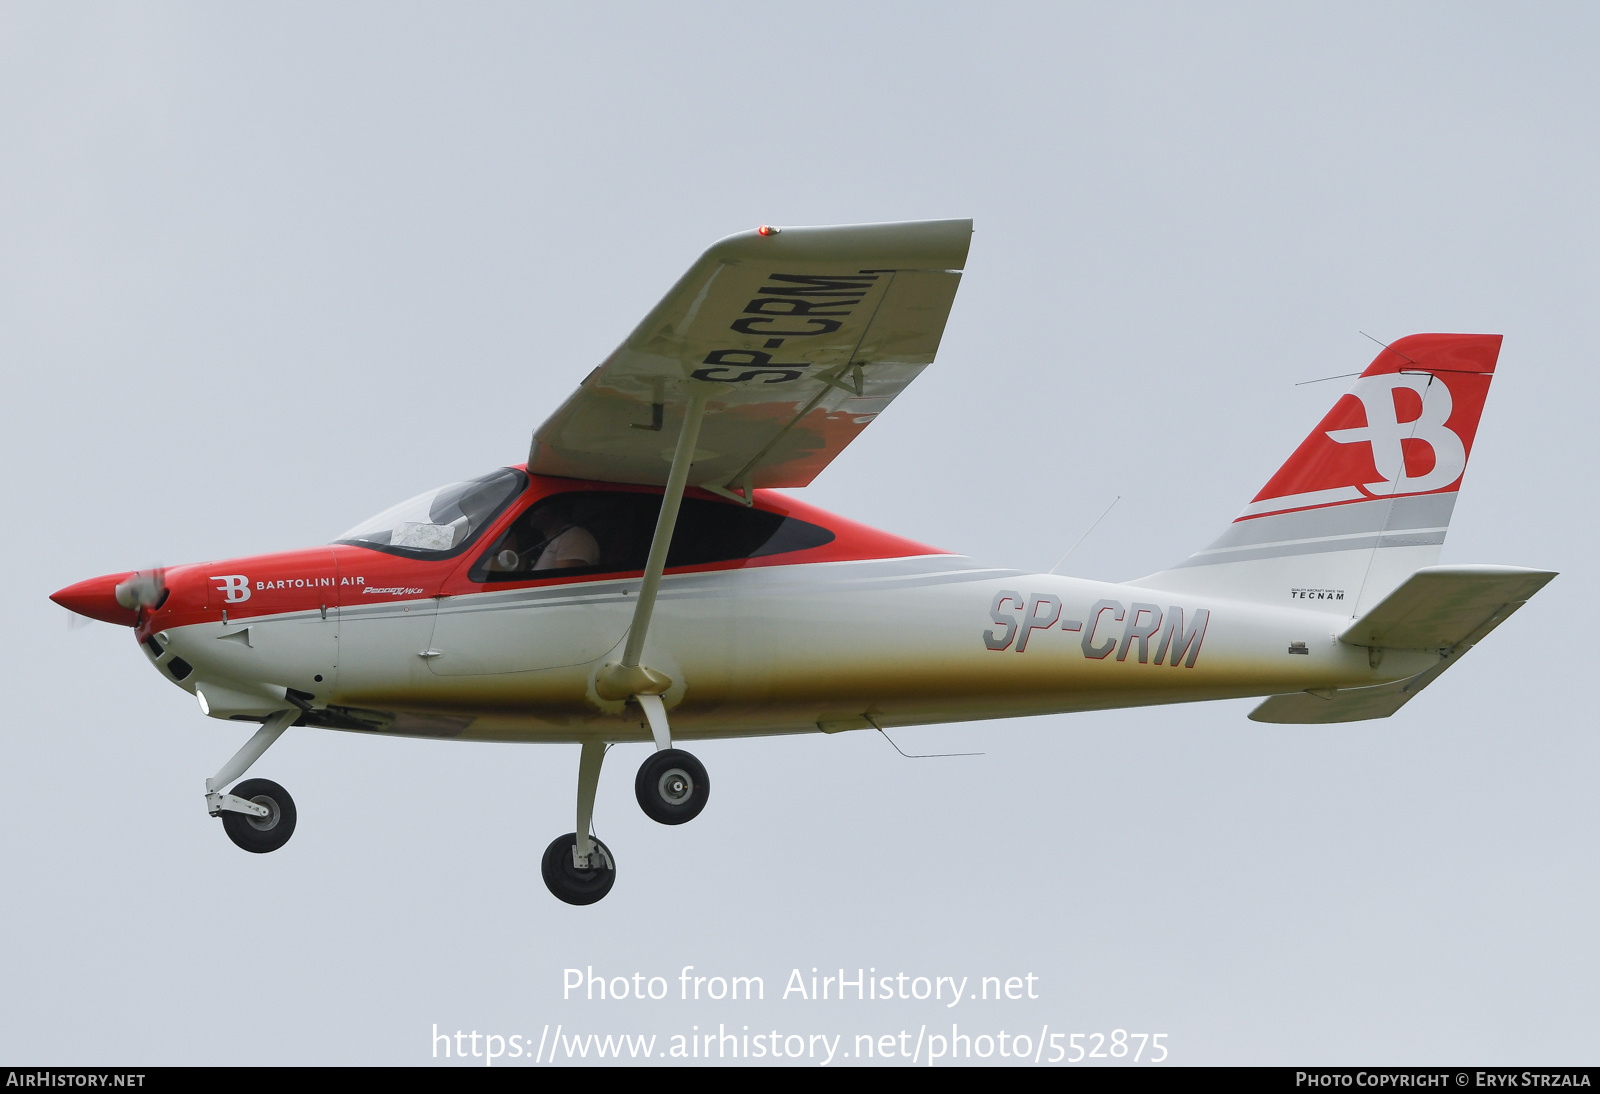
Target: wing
<point>801,336</point>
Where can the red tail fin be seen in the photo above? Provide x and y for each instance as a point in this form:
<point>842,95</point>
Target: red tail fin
<point>1366,499</point>
<point>1405,428</point>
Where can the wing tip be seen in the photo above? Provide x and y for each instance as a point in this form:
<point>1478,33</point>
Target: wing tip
<point>924,244</point>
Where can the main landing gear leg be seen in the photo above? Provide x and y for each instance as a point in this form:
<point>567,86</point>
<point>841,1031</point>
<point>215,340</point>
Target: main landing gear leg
<point>672,786</point>
<point>578,868</point>
<point>258,815</point>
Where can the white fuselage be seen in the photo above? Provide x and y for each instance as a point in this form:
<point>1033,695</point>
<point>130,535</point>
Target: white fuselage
<point>768,650</point>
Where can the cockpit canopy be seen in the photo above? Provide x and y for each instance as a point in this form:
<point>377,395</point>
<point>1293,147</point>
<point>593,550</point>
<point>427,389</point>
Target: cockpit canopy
<point>575,532</point>
<point>441,522</point>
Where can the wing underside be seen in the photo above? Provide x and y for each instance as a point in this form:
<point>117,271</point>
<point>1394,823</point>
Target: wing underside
<point>799,339</point>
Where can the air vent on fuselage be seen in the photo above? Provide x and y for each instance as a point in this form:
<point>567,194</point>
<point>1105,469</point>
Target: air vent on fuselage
<point>179,668</point>
<point>153,646</point>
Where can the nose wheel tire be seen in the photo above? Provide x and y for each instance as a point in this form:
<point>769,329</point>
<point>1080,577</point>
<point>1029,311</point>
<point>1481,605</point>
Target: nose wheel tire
<point>567,882</point>
<point>258,835</point>
<point>672,786</point>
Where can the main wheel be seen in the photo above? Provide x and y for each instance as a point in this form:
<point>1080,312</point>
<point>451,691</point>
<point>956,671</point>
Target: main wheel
<point>672,786</point>
<point>259,835</point>
<point>566,882</point>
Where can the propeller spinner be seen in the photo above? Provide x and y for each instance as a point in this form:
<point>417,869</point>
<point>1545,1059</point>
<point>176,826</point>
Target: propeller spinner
<point>142,589</point>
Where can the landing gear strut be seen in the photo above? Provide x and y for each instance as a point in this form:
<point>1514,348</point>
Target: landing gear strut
<point>672,786</point>
<point>578,868</point>
<point>259,815</point>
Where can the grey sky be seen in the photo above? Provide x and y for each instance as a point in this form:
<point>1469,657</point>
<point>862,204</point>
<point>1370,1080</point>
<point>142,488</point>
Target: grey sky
<point>267,270</point>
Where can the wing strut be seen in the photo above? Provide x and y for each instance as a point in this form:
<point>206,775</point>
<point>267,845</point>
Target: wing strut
<point>628,679</point>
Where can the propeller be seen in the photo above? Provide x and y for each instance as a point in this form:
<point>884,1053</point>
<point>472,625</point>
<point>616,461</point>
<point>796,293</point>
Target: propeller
<point>143,589</point>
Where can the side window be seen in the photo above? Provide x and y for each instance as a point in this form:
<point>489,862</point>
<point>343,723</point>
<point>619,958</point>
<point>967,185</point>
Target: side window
<point>588,532</point>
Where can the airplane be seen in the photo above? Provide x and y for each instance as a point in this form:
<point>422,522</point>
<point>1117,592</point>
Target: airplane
<point>640,577</point>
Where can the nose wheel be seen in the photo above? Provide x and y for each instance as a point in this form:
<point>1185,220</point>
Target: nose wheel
<point>258,814</point>
<point>255,833</point>
<point>672,786</point>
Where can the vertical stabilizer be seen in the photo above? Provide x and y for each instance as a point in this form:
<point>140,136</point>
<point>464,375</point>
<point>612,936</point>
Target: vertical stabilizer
<point>1365,501</point>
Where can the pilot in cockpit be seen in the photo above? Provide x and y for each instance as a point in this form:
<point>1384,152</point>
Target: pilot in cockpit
<point>566,545</point>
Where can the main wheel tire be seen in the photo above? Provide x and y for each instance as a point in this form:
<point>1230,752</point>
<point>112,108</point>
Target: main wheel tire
<point>568,883</point>
<point>258,835</point>
<point>672,786</point>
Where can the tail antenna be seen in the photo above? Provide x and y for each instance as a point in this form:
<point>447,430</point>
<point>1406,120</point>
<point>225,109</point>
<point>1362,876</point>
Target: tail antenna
<point>1085,535</point>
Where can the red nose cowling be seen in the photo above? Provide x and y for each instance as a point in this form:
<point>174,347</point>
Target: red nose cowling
<point>97,599</point>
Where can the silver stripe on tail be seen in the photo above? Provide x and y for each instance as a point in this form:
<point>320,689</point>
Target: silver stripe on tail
<point>1414,521</point>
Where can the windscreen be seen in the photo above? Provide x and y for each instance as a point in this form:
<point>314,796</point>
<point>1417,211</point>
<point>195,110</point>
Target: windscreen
<point>442,521</point>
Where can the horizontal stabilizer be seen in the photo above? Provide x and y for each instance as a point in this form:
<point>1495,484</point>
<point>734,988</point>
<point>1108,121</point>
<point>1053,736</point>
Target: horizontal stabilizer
<point>1345,704</point>
<point>1444,608</point>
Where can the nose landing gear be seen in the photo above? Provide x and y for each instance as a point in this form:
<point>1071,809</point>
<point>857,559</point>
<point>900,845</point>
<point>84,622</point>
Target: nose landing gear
<point>258,815</point>
<point>258,834</point>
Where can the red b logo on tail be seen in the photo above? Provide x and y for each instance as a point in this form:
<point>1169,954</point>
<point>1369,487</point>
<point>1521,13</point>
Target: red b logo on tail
<point>1405,428</point>
<point>1387,434</point>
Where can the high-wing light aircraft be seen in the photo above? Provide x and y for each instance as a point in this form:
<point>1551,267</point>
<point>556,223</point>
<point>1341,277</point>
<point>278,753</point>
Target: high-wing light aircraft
<point>639,580</point>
